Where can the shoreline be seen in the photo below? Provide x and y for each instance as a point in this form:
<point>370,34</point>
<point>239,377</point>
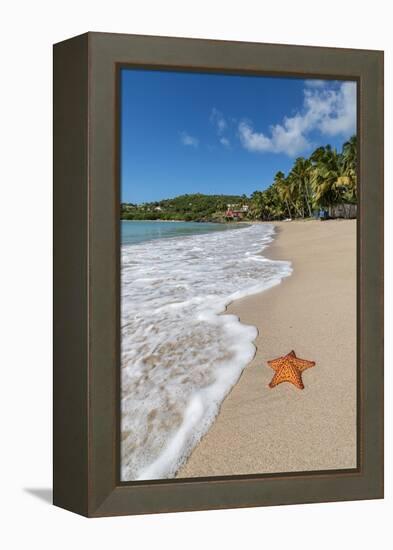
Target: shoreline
<point>263,430</point>
<point>195,221</point>
<point>182,287</point>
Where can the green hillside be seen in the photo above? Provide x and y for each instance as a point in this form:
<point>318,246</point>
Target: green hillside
<point>197,207</point>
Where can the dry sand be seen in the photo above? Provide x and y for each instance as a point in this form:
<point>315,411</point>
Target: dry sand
<point>263,430</point>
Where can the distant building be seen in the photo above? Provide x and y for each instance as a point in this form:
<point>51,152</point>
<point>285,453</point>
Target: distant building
<point>236,212</point>
<point>346,211</point>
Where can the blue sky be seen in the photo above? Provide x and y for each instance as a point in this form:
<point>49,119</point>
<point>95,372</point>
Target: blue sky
<point>214,133</point>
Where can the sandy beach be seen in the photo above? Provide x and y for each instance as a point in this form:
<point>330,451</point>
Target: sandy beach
<point>263,430</point>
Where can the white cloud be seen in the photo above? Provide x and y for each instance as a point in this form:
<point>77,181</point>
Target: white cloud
<point>221,125</point>
<point>225,142</point>
<point>330,111</point>
<point>217,118</point>
<point>253,141</point>
<point>189,140</point>
<point>337,109</point>
<point>314,83</point>
<point>284,139</point>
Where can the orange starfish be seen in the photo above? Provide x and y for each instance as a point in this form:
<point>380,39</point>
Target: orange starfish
<point>289,368</point>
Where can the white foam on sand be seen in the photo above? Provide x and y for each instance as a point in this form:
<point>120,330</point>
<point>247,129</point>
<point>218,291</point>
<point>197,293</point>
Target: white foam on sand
<point>180,357</point>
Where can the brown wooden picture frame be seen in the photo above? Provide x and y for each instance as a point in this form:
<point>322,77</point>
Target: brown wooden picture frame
<point>86,275</point>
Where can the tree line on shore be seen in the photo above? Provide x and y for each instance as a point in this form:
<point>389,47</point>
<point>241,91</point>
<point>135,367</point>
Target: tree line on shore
<point>190,207</point>
<point>327,178</point>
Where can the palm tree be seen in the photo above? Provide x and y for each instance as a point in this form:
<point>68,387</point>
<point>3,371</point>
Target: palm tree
<point>327,177</point>
<point>257,204</point>
<point>349,156</point>
<point>284,190</point>
<point>267,204</point>
<point>300,178</point>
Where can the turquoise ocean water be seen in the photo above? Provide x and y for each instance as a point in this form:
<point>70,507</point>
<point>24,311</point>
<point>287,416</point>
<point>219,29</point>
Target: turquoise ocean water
<point>133,232</point>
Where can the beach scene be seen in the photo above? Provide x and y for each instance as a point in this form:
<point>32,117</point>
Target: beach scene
<point>238,275</point>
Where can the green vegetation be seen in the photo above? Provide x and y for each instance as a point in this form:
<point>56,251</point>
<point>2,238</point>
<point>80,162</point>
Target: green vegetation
<point>326,179</point>
<point>197,207</point>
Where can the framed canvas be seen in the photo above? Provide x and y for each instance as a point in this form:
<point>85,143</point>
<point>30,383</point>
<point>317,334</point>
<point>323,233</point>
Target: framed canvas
<point>218,274</point>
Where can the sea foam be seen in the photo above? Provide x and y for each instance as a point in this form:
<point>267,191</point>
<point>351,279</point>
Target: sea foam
<point>179,355</point>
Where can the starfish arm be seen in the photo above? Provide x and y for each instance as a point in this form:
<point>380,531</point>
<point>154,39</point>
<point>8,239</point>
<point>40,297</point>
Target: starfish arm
<point>275,364</point>
<point>275,381</point>
<point>303,364</point>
